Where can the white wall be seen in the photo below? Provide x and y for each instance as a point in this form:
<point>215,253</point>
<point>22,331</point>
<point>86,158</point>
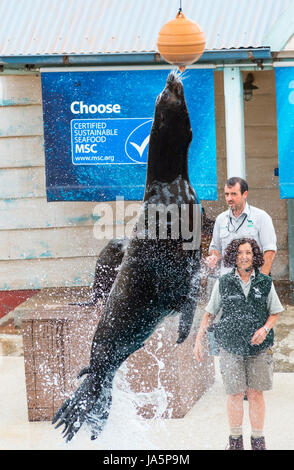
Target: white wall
<point>41,244</point>
<point>52,244</point>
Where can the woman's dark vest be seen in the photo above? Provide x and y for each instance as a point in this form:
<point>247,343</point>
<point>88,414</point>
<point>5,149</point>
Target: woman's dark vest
<point>241,317</point>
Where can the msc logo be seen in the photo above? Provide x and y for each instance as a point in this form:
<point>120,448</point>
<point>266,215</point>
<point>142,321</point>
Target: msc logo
<point>136,146</point>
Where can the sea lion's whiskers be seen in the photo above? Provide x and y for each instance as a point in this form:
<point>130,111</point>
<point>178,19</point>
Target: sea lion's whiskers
<point>184,75</point>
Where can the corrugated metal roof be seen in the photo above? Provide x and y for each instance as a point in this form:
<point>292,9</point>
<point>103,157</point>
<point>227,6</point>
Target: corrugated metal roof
<point>40,27</point>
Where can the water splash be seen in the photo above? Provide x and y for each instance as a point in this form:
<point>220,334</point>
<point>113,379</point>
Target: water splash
<point>155,402</point>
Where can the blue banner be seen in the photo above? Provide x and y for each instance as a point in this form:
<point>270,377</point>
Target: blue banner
<point>97,126</point>
<point>285,121</point>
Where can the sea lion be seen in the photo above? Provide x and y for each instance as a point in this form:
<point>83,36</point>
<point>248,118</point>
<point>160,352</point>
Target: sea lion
<point>106,269</point>
<point>159,272</point>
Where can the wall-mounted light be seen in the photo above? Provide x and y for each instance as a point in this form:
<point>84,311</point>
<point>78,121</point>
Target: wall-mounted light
<point>248,87</point>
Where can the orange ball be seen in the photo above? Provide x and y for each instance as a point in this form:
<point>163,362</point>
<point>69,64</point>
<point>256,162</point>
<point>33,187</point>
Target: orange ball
<point>181,41</point>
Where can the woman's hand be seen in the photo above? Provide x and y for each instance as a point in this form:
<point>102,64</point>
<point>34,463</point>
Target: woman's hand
<point>259,336</point>
<point>198,350</point>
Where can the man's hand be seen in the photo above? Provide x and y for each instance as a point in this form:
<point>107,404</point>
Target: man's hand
<point>212,260</point>
<point>268,261</point>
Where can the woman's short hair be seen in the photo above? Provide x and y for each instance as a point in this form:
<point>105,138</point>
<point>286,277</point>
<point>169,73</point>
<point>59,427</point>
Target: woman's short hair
<point>231,252</point>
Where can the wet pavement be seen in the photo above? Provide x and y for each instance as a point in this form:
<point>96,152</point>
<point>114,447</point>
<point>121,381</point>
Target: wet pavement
<point>203,428</point>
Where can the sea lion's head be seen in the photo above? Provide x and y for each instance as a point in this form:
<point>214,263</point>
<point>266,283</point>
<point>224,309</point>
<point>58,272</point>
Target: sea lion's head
<point>171,134</point>
<point>171,117</point>
<point>171,111</point>
<point>172,96</point>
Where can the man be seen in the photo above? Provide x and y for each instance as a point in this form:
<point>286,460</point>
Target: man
<point>250,308</point>
<point>241,220</point>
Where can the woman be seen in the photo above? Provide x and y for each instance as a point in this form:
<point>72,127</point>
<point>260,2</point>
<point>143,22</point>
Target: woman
<point>244,333</point>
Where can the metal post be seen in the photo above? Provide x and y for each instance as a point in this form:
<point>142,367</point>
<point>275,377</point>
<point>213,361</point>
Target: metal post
<point>235,139</point>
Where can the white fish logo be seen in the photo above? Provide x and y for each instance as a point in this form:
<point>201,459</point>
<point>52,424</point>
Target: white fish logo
<point>257,293</point>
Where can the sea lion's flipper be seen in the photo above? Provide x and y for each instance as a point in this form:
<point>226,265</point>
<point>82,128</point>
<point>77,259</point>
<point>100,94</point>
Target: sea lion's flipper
<point>74,410</point>
<point>107,265</point>
<point>188,309</point>
<point>84,304</point>
<point>98,416</point>
<point>185,323</point>
<point>85,370</point>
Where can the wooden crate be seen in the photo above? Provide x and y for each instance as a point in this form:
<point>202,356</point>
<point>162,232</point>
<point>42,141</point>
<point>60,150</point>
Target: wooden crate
<point>57,343</point>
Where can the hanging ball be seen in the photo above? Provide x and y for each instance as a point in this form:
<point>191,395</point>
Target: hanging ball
<point>181,41</point>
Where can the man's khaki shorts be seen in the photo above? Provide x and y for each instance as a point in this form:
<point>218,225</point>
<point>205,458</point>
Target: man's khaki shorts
<point>240,373</point>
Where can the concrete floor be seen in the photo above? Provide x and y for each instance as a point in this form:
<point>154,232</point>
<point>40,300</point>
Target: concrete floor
<point>203,428</point>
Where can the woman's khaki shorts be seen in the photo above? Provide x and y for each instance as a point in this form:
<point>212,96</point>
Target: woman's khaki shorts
<point>240,373</point>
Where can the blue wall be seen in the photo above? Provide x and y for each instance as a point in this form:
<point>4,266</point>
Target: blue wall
<point>285,121</point>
